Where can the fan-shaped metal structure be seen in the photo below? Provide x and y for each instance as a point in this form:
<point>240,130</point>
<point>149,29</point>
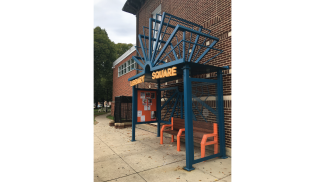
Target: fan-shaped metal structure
<point>173,41</point>
<point>170,41</point>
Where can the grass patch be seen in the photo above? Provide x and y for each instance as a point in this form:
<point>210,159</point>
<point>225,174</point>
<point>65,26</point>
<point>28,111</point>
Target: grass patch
<point>110,117</point>
<point>96,113</point>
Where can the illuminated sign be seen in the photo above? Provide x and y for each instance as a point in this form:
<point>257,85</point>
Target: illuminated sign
<point>164,73</point>
<point>137,81</point>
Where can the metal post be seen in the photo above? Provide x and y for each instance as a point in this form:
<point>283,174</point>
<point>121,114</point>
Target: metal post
<point>158,107</point>
<point>182,105</point>
<point>188,119</point>
<point>150,44</point>
<point>184,37</point>
<point>221,117</point>
<point>134,111</point>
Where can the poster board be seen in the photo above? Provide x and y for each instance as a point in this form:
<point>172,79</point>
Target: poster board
<point>147,106</point>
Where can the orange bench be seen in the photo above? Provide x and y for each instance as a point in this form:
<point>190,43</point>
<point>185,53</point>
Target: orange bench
<point>202,133</point>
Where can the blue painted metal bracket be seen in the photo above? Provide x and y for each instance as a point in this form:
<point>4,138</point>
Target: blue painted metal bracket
<point>162,107</point>
<point>207,158</point>
<point>206,51</point>
<point>205,105</point>
<point>172,114</point>
<point>143,50</point>
<point>139,63</point>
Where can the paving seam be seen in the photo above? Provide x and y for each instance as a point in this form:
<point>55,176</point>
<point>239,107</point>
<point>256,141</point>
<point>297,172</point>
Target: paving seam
<point>123,161</point>
<point>214,176</point>
<point>154,167</point>
<point>129,165</point>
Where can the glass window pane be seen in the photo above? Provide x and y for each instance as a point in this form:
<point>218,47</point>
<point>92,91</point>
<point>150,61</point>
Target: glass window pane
<point>128,68</point>
<point>132,61</point>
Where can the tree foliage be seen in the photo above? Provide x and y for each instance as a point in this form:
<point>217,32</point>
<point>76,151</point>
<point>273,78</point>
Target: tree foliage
<point>121,48</point>
<point>105,53</point>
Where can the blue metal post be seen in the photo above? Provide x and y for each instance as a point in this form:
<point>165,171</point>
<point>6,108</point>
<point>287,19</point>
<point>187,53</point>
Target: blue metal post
<point>150,43</point>
<point>188,119</point>
<point>134,111</point>
<point>221,126</point>
<point>158,107</point>
<point>182,105</point>
<point>184,38</point>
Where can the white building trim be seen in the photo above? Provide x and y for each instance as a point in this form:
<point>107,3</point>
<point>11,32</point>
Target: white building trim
<point>126,54</point>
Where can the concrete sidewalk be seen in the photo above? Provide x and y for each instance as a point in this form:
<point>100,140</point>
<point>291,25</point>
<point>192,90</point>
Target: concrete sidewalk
<point>116,158</point>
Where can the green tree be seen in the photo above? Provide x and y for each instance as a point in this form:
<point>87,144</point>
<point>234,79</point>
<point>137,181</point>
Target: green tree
<point>105,53</point>
<point>104,56</point>
<point>121,48</point>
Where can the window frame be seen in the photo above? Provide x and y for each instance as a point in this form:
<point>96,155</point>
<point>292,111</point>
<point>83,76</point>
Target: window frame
<point>126,67</point>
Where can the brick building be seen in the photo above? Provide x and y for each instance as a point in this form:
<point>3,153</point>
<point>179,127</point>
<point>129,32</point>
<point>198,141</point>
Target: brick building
<point>123,69</point>
<point>214,15</point>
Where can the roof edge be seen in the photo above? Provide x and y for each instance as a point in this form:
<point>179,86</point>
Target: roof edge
<point>126,54</point>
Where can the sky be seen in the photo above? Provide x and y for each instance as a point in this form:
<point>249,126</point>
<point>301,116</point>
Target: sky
<point>119,25</point>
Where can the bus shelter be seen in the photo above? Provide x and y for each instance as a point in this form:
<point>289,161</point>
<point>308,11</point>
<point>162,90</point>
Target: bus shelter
<point>172,48</point>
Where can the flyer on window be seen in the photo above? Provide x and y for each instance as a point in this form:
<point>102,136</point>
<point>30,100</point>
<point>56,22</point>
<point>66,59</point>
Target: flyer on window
<point>147,95</point>
<point>144,101</point>
<point>142,95</point>
<point>149,101</point>
<point>153,95</point>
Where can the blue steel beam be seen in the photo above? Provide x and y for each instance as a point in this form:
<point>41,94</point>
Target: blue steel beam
<point>136,60</point>
<point>176,101</point>
<point>213,56</point>
<point>150,29</point>
<point>172,49</point>
<point>184,39</point>
<point>158,107</point>
<point>134,111</point>
<point>144,55</point>
<point>145,42</point>
<point>205,105</point>
<point>207,158</point>
<point>162,107</point>
<point>206,51</point>
<point>221,126</point>
<point>188,119</point>
<point>182,28</point>
<point>159,31</point>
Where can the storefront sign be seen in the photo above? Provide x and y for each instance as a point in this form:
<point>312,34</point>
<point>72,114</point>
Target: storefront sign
<point>164,73</point>
<point>137,81</point>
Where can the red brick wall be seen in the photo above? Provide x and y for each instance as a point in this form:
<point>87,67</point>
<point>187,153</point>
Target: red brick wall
<point>212,14</point>
<point>121,85</point>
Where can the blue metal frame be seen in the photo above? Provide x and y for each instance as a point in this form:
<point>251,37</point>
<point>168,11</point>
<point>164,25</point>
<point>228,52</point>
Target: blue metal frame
<point>134,111</point>
<point>188,119</point>
<point>154,58</point>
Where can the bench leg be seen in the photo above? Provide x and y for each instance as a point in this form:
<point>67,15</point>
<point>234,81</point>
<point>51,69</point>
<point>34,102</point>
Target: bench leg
<point>216,145</point>
<point>172,138</point>
<point>202,150</point>
<point>179,139</point>
<point>161,137</point>
<point>178,143</point>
